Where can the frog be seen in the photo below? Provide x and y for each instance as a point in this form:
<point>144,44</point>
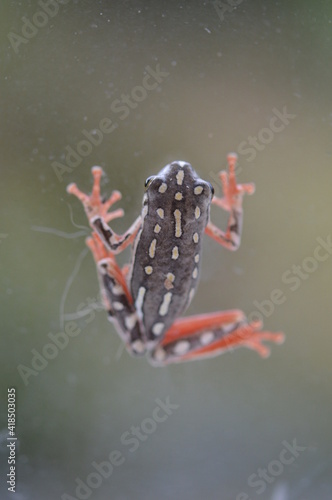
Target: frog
<point>146,298</point>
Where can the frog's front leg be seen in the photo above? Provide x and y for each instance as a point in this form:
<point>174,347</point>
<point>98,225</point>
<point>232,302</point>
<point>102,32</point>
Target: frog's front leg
<point>116,296</point>
<point>98,214</point>
<point>232,203</point>
<point>209,335</point>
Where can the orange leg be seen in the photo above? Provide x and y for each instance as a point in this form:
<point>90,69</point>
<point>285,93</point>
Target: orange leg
<point>232,203</point>
<point>209,335</point>
<point>104,257</point>
<point>116,296</point>
<point>98,214</point>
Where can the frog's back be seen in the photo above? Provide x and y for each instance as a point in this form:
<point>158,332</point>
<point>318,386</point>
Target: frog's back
<point>168,247</point>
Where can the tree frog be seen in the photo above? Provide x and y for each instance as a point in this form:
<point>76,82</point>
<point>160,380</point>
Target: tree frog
<point>146,298</point>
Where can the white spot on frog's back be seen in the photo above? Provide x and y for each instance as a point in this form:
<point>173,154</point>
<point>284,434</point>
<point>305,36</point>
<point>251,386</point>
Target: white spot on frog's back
<point>168,283</point>
<point>157,328</point>
<point>148,269</point>
<point>152,248</point>
<point>163,309</point>
<point>160,212</point>
<point>162,188</point>
<point>180,176</point>
<point>175,253</point>
<point>178,228</point>
<point>140,299</point>
<point>198,190</point>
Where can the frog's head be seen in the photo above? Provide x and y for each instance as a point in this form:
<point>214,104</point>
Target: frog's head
<point>177,182</point>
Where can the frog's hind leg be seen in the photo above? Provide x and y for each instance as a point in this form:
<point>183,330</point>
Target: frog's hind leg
<point>209,335</point>
<point>116,296</point>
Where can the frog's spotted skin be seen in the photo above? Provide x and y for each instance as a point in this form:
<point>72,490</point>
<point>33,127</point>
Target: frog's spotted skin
<point>167,253</point>
<point>146,302</point>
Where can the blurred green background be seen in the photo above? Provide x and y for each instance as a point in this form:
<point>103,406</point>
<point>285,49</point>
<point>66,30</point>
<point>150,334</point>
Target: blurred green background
<point>229,68</point>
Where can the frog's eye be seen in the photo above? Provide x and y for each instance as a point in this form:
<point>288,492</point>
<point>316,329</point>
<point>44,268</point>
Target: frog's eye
<point>212,188</point>
<point>148,181</point>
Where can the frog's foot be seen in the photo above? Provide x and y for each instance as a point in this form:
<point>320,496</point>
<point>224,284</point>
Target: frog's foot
<point>249,336</point>
<point>233,192</point>
<point>232,203</point>
<point>98,214</point>
<point>204,336</point>
<point>94,206</point>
